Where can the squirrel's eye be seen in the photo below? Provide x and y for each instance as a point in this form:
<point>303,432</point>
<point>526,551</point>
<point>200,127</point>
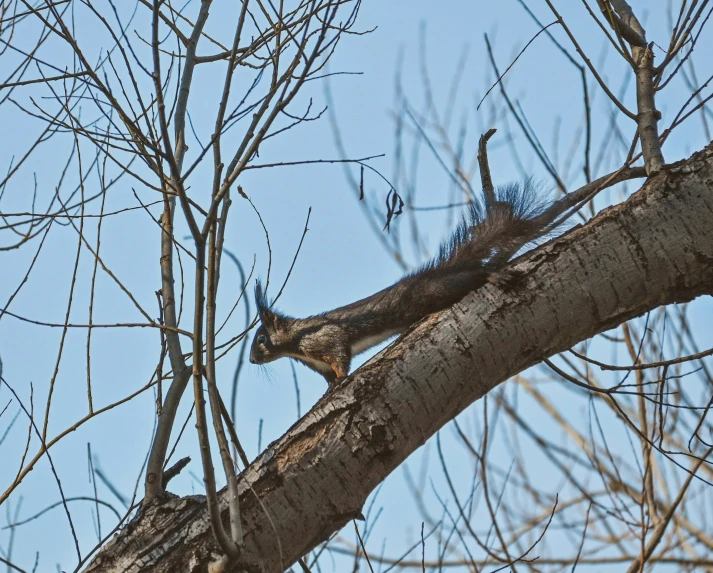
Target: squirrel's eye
<point>262,339</point>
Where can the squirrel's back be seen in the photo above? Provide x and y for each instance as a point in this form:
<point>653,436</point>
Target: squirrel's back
<point>485,239</point>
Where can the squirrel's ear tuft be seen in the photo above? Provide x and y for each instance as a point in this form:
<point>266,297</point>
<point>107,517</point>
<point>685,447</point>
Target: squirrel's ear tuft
<point>260,299</point>
<point>268,318</point>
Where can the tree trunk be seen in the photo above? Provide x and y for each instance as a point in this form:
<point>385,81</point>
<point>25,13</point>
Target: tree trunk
<point>654,249</point>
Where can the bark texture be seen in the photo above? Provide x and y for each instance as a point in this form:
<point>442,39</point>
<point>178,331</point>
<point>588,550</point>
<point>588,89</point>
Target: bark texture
<point>654,249</point>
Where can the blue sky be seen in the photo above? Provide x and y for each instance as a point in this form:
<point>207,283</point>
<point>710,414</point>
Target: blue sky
<point>341,260</point>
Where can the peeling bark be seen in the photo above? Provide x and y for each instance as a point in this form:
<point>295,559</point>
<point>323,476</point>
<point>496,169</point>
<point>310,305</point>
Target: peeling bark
<point>654,249</point>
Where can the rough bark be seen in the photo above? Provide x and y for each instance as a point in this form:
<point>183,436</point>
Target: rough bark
<point>654,249</point>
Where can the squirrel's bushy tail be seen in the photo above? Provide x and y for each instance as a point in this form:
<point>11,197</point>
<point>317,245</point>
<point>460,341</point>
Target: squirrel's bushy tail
<point>490,234</point>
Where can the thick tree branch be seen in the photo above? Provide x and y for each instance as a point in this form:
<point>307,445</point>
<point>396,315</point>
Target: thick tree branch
<point>654,249</point>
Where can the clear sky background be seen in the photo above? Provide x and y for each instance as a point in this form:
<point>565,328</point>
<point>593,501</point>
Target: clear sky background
<point>342,258</point>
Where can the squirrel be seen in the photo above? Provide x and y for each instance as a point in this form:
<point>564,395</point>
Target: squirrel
<point>484,241</point>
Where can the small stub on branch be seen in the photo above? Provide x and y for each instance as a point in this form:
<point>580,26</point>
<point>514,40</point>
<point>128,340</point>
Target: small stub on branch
<point>485,178</point>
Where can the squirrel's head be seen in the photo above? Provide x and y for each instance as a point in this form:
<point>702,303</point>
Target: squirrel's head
<point>272,339</point>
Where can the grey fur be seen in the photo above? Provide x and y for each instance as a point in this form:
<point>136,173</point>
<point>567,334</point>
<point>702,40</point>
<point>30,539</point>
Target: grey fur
<point>487,237</point>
